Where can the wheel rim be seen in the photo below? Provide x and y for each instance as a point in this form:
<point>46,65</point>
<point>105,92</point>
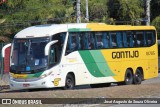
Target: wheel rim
<point>138,77</point>
<point>69,83</point>
<point>129,77</point>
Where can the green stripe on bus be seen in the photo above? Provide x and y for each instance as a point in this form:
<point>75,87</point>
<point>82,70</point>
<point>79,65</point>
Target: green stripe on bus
<point>90,63</point>
<point>96,63</point>
<point>78,29</point>
<point>101,63</point>
<point>30,75</point>
<point>34,75</point>
<point>38,74</point>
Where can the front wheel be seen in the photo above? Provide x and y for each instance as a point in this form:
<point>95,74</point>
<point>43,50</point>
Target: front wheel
<point>70,82</point>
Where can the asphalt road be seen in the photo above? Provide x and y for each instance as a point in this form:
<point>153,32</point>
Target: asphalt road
<point>150,81</point>
<point>148,89</point>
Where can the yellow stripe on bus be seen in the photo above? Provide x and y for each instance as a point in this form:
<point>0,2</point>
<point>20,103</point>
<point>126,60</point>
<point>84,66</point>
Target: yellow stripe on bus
<point>20,76</point>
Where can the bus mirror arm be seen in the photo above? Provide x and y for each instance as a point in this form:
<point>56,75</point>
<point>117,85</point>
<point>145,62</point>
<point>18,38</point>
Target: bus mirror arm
<point>3,55</point>
<point>4,48</point>
<point>48,46</point>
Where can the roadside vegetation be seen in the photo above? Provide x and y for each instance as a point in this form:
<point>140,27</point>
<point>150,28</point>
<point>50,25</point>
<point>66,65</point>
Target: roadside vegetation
<point>18,14</point>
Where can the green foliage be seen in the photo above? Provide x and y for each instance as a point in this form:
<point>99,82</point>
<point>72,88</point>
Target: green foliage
<point>98,10</point>
<point>26,10</point>
<point>22,13</point>
<point>155,6</point>
<point>156,23</point>
<point>125,10</point>
<point>18,14</point>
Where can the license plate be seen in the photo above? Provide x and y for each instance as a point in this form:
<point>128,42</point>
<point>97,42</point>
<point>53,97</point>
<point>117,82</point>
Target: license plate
<point>26,85</point>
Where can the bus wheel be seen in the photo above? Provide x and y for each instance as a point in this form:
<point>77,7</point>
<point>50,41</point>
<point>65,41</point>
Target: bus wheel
<point>128,77</point>
<point>138,77</point>
<point>70,82</point>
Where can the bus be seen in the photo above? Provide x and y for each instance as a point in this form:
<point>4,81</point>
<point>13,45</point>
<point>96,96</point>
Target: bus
<point>159,56</point>
<point>95,54</point>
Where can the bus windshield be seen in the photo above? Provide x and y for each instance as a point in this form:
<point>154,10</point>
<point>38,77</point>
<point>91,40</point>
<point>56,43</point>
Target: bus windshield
<point>28,55</point>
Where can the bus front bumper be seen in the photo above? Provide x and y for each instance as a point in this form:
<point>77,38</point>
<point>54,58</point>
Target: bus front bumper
<point>40,83</point>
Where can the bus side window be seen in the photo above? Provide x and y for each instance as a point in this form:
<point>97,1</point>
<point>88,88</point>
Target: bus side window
<point>78,41</point>
<point>125,43</point>
<point>84,40</point>
<point>105,40</point>
<point>150,38</point>
<point>113,40</point>
<point>119,39</point>
<point>53,56</point>
<point>99,41</point>
<point>91,40</point>
<point>140,41</point>
<point>62,38</point>
<point>145,41</point>
<point>130,40</point>
<point>73,42</point>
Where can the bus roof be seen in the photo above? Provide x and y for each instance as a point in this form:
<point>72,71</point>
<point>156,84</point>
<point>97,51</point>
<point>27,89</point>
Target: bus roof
<point>49,30</point>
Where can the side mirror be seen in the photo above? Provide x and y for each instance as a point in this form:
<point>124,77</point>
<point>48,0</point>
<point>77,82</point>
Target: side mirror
<point>46,52</point>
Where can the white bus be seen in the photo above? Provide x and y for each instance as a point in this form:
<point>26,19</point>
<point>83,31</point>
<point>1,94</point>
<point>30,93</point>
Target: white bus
<point>67,55</point>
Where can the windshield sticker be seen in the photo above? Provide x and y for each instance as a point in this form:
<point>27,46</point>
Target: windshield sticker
<point>28,68</point>
<point>37,62</point>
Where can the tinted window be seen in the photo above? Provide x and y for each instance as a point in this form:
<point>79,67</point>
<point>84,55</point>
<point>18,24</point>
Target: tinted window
<point>113,40</point>
<point>99,40</point>
<point>56,49</point>
<point>139,38</point>
<point>150,38</point>
<point>104,40</point>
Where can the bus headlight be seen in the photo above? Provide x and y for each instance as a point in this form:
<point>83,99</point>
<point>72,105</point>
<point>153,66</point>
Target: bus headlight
<point>45,75</point>
<point>10,76</point>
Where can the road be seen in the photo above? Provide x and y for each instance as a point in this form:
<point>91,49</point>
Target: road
<point>148,89</point>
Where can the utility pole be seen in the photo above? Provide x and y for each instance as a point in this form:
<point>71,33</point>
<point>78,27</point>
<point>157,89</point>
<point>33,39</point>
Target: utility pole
<point>148,12</point>
<point>87,14</point>
<point>78,11</point>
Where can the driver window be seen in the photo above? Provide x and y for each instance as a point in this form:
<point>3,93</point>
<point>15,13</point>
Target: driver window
<point>53,56</point>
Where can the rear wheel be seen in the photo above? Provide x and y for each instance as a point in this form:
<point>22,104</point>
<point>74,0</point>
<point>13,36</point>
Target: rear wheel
<point>138,77</point>
<point>70,82</point>
<point>128,78</point>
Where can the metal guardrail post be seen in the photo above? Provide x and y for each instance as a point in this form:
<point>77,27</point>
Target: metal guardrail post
<point>1,61</point>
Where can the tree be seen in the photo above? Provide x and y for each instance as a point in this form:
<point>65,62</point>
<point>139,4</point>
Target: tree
<point>155,6</point>
<point>17,14</point>
<point>125,10</point>
<point>156,23</point>
<point>98,11</point>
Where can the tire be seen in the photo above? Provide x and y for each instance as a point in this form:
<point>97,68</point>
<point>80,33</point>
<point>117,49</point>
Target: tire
<point>138,77</point>
<point>128,80</point>
<point>128,77</point>
<point>70,82</point>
